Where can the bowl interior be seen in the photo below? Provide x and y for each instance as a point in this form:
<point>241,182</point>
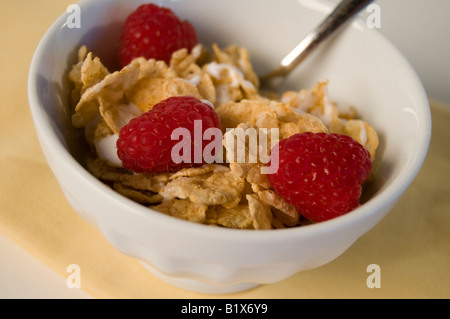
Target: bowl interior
<point>364,70</point>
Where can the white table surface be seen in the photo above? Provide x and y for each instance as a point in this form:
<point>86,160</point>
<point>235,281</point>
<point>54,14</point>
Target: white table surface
<point>24,276</point>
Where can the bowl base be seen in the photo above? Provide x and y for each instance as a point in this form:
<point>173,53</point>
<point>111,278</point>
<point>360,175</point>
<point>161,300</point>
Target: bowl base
<point>199,286</point>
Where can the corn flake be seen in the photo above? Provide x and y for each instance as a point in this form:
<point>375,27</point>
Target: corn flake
<point>254,113</point>
<point>238,57</point>
<point>183,209</point>
<point>117,115</point>
<point>100,169</point>
<point>217,188</point>
<point>284,211</point>
<point>140,196</point>
<point>112,89</point>
<point>248,164</point>
<point>196,171</point>
<point>261,213</point>
<point>184,63</point>
<point>236,217</point>
<point>150,91</point>
<point>207,89</point>
<point>149,182</point>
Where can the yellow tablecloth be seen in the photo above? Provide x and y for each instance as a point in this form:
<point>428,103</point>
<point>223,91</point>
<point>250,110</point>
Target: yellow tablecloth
<point>411,245</point>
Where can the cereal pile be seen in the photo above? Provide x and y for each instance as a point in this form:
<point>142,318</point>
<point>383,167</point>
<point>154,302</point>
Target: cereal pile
<point>230,194</point>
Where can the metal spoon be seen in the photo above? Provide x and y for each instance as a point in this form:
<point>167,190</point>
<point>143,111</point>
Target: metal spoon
<point>346,9</point>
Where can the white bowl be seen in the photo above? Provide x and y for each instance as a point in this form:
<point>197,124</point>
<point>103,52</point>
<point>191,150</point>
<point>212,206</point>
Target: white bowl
<point>363,68</point>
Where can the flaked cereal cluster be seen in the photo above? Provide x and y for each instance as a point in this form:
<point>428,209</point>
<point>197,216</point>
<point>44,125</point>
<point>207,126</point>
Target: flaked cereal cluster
<point>231,194</point>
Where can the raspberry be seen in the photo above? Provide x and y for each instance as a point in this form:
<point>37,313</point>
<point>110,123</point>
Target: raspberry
<point>321,174</point>
<point>145,143</point>
<point>154,32</point>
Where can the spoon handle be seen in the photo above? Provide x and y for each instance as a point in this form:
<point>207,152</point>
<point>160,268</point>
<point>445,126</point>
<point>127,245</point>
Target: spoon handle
<point>341,14</point>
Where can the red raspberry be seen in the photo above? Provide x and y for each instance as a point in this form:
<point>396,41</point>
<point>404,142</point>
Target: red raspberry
<point>145,143</point>
<point>321,174</point>
<point>154,32</point>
